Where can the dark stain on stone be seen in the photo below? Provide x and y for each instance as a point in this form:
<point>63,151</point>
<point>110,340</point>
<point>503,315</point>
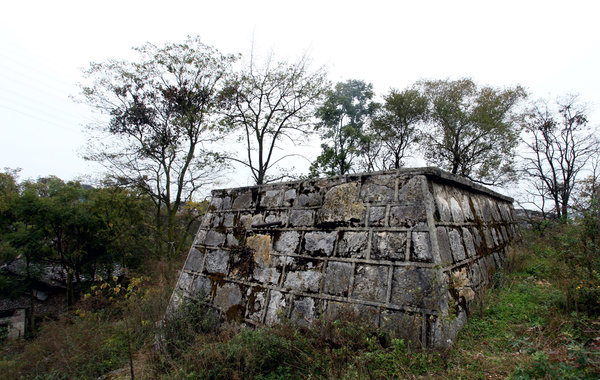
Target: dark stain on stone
<point>216,280</point>
<point>241,261</point>
<point>235,313</point>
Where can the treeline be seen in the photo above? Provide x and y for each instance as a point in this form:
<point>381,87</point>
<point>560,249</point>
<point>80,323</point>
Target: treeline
<point>85,231</point>
<point>180,114</point>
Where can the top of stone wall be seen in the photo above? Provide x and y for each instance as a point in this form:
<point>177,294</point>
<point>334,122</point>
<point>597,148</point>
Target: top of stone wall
<point>429,171</point>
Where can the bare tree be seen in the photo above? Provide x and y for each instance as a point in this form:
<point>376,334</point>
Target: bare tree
<point>560,145</point>
<point>159,110</point>
<point>270,104</point>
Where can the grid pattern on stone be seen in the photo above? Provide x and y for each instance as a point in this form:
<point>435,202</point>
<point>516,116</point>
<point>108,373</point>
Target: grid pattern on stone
<point>384,246</point>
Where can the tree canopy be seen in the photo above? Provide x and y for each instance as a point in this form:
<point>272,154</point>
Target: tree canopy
<point>342,118</point>
<point>161,110</point>
<point>474,130</point>
<point>394,128</point>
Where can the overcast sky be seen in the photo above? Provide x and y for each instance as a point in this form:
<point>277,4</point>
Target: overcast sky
<point>549,47</point>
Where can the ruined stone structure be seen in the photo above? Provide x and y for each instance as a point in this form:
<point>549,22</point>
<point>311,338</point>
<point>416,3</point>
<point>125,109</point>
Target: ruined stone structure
<point>407,250</point>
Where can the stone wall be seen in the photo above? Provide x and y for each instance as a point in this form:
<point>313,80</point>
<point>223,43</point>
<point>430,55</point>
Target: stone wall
<point>407,250</point>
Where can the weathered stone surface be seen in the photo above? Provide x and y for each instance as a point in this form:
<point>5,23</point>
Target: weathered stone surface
<point>287,242</point>
<point>412,191</point>
<point>339,247</point>
<point>421,247</point>
<point>266,275</point>
<point>353,244</point>
<point>342,204</point>
<point>337,278</point>
<point>308,280</point>
<point>194,260</point>
<point>408,215</point>
<point>207,220</point>
<point>256,296</point>
<point>378,192</point>
<point>243,200</point>
<point>227,296</point>
<point>302,218</point>
<point>277,303</point>
<point>199,238</point>
<point>303,311</point>
<point>272,198</point>
<point>415,287</point>
<point>370,282</point>
<point>261,246</point>
<point>214,238</point>
<point>216,261</point>
<point>319,242</point>
<point>456,211</point>
<point>469,243</point>
<point>289,196</point>
<point>377,216</point>
<point>228,219</point>
<point>444,246</point>
<point>258,219</point>
<point>404,326</point>
<point>389,245</point>
<point>216,203</point>
<point>456,245</point>
<point>246,221</point>
<point>347,311</point>
<point>185,281</point>
<point>201,287</point>
<point>310,199</point>
<point>443,209</point>
<point>232,241</point>
<point>276,216</point>
<point>466,209</point>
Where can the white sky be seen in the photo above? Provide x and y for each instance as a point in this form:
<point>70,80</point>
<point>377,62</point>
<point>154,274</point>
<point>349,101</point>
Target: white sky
<point>549,47</point>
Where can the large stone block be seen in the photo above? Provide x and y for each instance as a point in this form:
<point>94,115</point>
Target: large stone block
<point>342,205</point>
<point>389,246</point>
<point>416,287</point>
<point>303,281</point>
<point>377,216</point>
<point>304,310</point>
<point>379,189</point>
<point>408,215</point>
<point>194,260</point>
<point>272,198</point>
<point>302,218</point>
<point>353,244</point>
<point>404,326</point>
<point>287,242</point>
<point>243,201</point>
<point>319,242</point>
<point>337,278</point>
<point>370,283</point>
<point>216,261</point>
<point>420,249</point>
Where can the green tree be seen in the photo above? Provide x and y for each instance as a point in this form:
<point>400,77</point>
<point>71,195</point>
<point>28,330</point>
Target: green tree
<point>394,128</point>
<point>270,104</point>
<point>25,239</point>
<point>472,131</point>
<point>161,119</point>
<point>342,121</point>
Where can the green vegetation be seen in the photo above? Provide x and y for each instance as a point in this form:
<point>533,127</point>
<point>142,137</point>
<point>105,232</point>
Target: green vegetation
<point>539,319</point>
